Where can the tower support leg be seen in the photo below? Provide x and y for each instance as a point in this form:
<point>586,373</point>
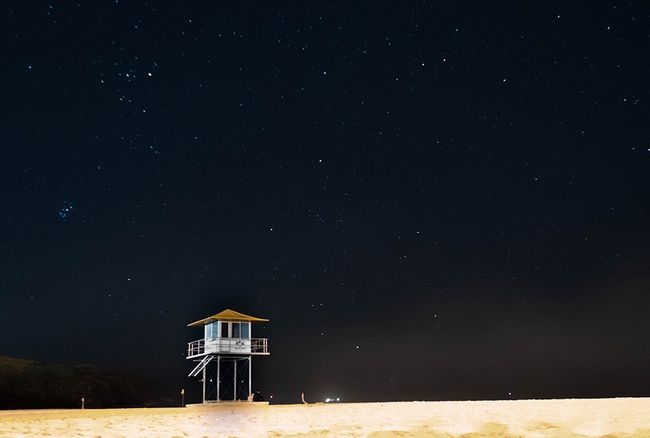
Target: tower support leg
<point>205,378</point>
<point>250,379</point>
<point>234,380</point>
<point>218,378</point>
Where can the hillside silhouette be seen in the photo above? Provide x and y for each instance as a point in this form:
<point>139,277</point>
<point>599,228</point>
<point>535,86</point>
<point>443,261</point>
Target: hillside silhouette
<point>31,384</point>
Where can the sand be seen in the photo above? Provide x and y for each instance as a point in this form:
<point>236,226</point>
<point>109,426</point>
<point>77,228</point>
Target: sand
<point>619,417</point>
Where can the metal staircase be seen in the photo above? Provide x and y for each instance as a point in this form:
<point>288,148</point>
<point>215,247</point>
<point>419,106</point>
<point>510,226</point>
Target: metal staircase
<point>197,369</point>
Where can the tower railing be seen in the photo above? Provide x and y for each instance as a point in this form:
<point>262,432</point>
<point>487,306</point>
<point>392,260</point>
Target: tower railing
<point>196,348</point>
<point>228,346</point>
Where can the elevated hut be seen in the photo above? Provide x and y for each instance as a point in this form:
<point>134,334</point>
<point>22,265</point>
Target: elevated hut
<point>225,352</point>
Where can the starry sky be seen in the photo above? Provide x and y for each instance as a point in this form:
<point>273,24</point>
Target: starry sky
<point>429,200</point>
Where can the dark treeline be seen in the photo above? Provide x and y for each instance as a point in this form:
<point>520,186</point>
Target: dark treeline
<point>29,384</point>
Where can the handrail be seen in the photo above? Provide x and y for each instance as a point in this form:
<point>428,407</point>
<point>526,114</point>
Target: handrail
<point>228,345</point>
<point>195,348</point>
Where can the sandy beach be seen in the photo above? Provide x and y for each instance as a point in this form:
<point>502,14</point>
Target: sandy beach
<point>619,417</point>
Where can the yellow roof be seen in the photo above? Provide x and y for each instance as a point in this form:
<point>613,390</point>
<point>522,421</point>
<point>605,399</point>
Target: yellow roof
<point>226,315</point>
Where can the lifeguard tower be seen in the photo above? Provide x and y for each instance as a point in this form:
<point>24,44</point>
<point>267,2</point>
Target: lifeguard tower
<point>224,355</point>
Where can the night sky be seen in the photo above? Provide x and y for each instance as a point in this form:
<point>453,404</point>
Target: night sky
<point>429,200</point>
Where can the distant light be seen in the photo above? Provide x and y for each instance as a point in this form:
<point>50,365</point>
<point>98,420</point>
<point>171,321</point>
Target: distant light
<point>328,400</point>
<point>338,399</point>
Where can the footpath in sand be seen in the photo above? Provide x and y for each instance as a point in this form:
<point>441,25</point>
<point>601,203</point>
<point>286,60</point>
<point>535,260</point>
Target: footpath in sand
<point>620,417</point>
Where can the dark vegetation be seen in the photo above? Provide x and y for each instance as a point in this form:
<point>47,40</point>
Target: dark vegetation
<point>31,384</point>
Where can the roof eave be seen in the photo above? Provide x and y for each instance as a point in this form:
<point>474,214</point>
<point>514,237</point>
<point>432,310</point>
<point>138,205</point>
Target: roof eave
<point>217,317</point>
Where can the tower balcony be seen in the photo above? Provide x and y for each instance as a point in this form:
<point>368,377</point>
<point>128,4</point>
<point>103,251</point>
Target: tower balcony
<point>226,346</point>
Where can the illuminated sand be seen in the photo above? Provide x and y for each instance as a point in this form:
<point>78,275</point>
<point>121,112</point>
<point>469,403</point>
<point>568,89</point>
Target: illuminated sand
<point>623,417</point>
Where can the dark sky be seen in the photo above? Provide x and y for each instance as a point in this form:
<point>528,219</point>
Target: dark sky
<point>429,200</point>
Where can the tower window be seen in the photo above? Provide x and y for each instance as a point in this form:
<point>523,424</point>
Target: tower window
<point>225,330</point>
